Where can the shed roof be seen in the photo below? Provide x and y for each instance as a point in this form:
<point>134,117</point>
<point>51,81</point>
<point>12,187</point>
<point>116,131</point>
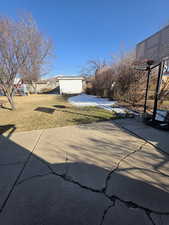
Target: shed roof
<point>70,78</point>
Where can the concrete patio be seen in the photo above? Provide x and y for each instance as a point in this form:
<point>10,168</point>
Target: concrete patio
<point>94,174</point>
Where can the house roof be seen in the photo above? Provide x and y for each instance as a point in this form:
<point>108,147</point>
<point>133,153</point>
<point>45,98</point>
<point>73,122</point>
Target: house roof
<point>41,82</point>
<point>70,78</point>
<point>36,82</point>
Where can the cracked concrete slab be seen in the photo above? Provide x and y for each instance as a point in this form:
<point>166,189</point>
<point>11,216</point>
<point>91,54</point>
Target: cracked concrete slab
<point>52,200</point>
<point>142,193</point>
<point>160,219</point>
<point>12,150</point>
<point>52,151</point>
<point>8,175</point>
<point>92,144</point>
<point>98,148</point>
<point>88,175</point>
<point>81,159</point>
<point>137,180</point>
<point>102,150</point>
<point>150,158</point>
<point>157,137</point>
<point>35,167</point>
<point>121,214</point>
<point>26,139</point>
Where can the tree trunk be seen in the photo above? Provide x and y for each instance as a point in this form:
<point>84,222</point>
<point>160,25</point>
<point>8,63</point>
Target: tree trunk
<point>11,101</point>
<point>34,85</point>
<point>35,88</point>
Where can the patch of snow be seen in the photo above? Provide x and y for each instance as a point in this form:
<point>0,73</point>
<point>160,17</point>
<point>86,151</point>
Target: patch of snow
<point>90,100</point>
<point>104,103</point>
<point>122,110</point>
<point>106,107</point>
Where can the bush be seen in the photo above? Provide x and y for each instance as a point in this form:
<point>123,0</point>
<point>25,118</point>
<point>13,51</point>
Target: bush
<point>119,81</point>
<point>45,90</point>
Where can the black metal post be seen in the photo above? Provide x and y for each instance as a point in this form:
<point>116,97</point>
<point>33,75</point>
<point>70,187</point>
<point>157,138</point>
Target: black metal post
<point>147,86</point>
<point>156,92</point>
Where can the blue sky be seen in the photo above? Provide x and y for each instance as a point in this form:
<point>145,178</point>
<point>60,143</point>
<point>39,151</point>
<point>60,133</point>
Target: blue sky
<point>91,29</point>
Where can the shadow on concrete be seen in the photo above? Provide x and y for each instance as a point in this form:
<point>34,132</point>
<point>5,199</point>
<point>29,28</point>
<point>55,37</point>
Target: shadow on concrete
<point>7,108</point>
<point>35,191</point>
<point>157,138</point>
<point>9,127</point>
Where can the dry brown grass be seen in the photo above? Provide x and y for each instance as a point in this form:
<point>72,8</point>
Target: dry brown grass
<point>140,106</point>
<point>47,111</point>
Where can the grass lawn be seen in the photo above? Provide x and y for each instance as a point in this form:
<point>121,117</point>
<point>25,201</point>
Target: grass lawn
<point>46,111</point>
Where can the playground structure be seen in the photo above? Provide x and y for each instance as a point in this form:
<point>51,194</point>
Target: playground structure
<point>20,88</point>
<point>152,55</point>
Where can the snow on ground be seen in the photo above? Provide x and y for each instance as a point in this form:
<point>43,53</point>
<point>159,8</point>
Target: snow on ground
<point>104,103</point>
<point>90,100</point>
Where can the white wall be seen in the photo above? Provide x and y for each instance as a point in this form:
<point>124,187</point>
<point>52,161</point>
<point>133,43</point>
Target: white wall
<point>71,86</point>
<point>39,87</point>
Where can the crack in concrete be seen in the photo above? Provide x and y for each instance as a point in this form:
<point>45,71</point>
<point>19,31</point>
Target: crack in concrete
<point>32,177</point>
<point>148,214</point>
<point>131,204</point>
<point>69,179</point>
<point>118,164</point>
<point>148,142</point>
<point>142,138</point>
<point>105,213</point>
<point>20,173</point>
<point>151,219</point>
<point>112,198</point>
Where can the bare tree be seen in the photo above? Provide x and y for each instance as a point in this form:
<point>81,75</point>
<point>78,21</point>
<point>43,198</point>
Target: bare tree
<point>104,78</point>
<point>92,66</point>
<point>119,79</point>
<point>164,91</point>
<point>18,44</point>
<point>130,83</point>
<point>97,72</point>
<point>13,54</point>
<point>40,50</point>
